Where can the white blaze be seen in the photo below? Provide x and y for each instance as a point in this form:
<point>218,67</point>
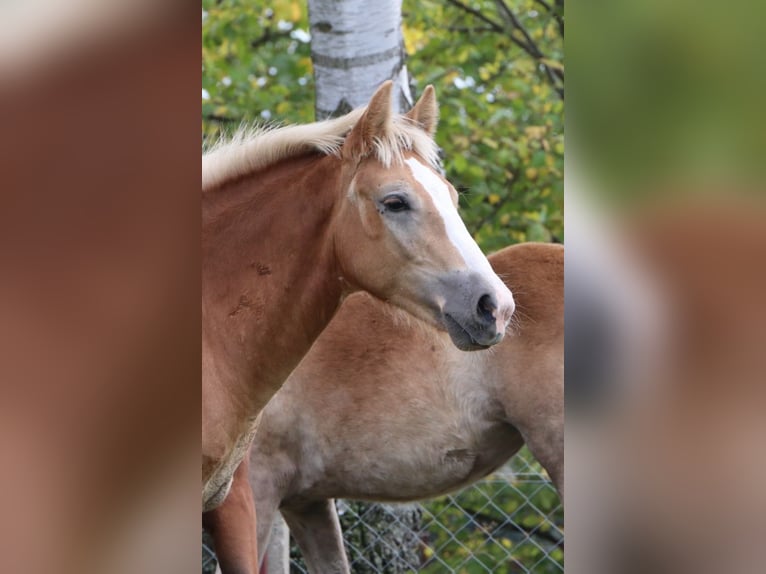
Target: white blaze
<point>456,230</point>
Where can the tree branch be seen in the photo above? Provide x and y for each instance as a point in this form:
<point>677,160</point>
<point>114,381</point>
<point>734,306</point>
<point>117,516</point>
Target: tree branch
<point>532,48</point>
<point>470,29</point>
<point>528,45</point>
<point>267,36</point>
<point>494,25</point>
<point>555,13</point>
<point>555,76</point>
<point>219,119</point>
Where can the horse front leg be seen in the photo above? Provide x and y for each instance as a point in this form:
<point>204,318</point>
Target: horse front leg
<point>233,527</point>
<point>316,529</point>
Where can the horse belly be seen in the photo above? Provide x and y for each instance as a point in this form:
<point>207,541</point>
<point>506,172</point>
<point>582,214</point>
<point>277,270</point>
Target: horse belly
<point>457,467</point>
<point>461,467</point>
<point>423,472</point>
<point>407,486</point>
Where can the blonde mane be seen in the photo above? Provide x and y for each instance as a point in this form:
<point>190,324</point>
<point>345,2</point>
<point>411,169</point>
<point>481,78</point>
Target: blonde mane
<point>253,148</point>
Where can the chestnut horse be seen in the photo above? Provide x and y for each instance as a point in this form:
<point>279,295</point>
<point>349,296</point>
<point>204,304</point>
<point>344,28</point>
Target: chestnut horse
<point>293,220</point>
<point>395,413</point>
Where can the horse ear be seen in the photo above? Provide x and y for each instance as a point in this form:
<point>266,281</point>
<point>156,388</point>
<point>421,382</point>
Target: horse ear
<point>374,124</point>
<point>425,112</point>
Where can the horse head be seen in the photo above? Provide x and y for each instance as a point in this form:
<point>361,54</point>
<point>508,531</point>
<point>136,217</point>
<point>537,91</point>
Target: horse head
<point>399,234</point>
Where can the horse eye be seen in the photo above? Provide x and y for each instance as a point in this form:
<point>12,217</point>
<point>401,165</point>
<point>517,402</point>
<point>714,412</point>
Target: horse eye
<point>396,203</point>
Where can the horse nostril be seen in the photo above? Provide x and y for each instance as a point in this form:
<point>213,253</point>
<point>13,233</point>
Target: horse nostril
<point>486,308</point>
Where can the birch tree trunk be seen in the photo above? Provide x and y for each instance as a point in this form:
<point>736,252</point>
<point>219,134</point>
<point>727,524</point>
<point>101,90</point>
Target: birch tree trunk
<point>355,46</point>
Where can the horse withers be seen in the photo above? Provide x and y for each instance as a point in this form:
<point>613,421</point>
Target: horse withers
<point>395,413</point>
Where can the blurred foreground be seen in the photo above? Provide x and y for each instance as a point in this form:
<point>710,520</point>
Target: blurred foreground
<point>665,289</point>
<point>99,287</point>
<point>666,398</point>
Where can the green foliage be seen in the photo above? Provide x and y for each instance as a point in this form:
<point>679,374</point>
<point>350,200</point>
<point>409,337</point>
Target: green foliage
<point>501,123</point>
<point>256,64</point>
<point>501,118</point>
<point>666,97</point>
<point>498,525</point>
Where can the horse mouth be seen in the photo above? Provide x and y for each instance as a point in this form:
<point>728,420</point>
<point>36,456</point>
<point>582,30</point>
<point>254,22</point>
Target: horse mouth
<point>461,338</point>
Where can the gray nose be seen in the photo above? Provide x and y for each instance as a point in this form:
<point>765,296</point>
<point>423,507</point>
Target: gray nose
<point>471,312</point>
<point>486,309</point>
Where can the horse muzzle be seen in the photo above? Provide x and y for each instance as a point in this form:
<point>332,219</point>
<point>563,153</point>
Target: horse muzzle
<point>477,318</point>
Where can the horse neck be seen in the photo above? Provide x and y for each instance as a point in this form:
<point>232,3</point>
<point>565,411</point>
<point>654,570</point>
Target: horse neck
<point>270,283</point>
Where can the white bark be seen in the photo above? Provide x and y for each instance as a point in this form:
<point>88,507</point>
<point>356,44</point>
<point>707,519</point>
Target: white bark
<point>355,46</point>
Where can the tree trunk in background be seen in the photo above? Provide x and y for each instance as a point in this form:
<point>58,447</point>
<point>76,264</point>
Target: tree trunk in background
<point>355,46</point>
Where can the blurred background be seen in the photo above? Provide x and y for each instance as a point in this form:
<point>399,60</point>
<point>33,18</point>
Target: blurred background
<point>665,277</point>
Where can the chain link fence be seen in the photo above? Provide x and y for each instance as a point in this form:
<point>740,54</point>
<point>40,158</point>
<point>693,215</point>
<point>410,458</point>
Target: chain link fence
<point>208,554</point>
<point>511,522</point>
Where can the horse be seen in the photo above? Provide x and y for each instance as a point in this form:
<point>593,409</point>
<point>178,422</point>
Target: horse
<point>294,219</point>
<point>395,413</point>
